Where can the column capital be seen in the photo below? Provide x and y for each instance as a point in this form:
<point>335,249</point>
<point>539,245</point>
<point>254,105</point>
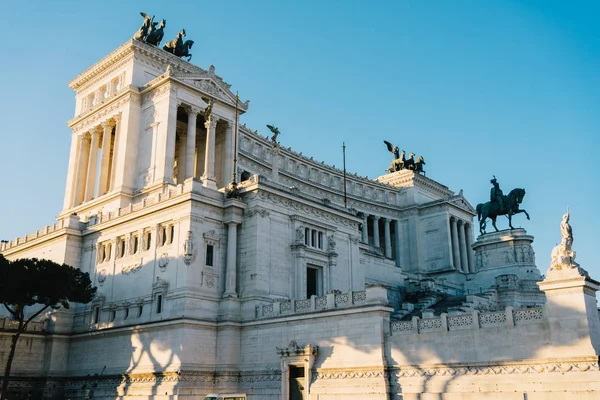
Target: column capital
<point>376,217</point>
<point>386,220</point>
<point>190,110</point>
<point>108,124</point>
<point>211,122</point>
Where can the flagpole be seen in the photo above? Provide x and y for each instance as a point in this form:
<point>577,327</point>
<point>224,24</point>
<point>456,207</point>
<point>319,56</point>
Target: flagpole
<point>235,137</point>
<point>345,195</point>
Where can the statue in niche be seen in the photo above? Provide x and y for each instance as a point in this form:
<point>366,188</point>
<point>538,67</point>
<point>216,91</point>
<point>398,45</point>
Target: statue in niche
<point>178,47</point>
<point>156,35</point>
<point>500,205</point>
<point>400,162</point>
<point>142,33</point>
<point>331,244</point>
<point>275,131</point>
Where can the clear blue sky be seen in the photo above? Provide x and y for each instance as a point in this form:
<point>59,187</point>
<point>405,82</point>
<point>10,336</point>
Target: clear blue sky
<point>478,88</point>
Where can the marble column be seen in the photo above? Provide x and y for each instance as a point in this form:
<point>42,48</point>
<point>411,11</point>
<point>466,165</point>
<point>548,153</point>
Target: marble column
<point>208,179</point>
<point>463,247</point>
<point>455,248</point>
<point>190,153</point>
<point>365,228</point>
<point>397,241</point>
<point>469,234</point>
<point>181,157</point>
<point>228,161</point>
<point>376,241</point>
<point>81,170</point>
<point>387,238</point>
<point>103,179</point>
<point>231,268</point>
<point>113,163</point>
<point>92,161</point>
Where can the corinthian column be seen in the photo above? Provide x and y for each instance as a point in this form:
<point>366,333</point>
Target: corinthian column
<point>388,241</point>
<point>208,179</point>
<point>454,239</point>
<point>469,248</point>
<point>92,161</point>
<point>463,248</point>
<point>105,158</point>
<point>190,153</point>
<point>365,228</point>
<point>80,170</point>
<point>376,242</point>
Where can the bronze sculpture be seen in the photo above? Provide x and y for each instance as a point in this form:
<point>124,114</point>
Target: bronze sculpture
<point>156,34</point>
<point>275,131</point>
<point>207,111</point>
<point>178,47</point>
<point>500,205</point>
<point>142,33</point>
<point>400,162</point>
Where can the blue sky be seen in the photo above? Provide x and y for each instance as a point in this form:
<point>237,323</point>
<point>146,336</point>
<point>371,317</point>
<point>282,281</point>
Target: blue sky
<point>478,88</point>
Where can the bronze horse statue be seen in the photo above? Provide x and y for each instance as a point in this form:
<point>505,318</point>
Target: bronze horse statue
<point>492,210</point>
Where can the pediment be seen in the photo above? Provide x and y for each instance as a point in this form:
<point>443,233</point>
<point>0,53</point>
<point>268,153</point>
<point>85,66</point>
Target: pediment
<point>212,85</point>
<point>460,202</point>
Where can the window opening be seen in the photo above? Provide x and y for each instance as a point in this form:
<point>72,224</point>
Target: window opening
<point>159,300</point>
<point>209,255</point>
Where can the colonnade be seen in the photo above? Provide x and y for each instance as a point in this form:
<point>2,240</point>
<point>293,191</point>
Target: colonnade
<point>94,160</point>
<point>390,244</point>
<point>187,166</point>
<point>462,238</point>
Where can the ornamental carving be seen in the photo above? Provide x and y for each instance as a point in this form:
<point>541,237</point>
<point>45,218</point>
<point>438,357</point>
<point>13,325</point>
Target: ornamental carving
<point>102,274</point>
<point>163,261</point>
<point>131,269</point>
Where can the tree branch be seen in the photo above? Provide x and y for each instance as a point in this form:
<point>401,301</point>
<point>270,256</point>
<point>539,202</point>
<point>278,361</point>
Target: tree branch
<point>36,314</point>
<point>11,311</point>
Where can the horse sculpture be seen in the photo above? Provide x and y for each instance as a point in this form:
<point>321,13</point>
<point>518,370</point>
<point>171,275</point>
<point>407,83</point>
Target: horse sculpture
<point>491,209</point>
<point>176,44</point>
<point>156,34</point>
<point>400,162</point>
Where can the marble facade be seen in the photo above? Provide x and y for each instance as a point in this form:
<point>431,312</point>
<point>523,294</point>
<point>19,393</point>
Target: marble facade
<point>282,286</point>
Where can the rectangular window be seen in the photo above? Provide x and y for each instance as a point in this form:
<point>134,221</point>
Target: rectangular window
<point>112,315</point>
<point>134,245</point>
<point>209,255</point>
<point>126,313</point>
<point>171,233</point>
<point>140,310</point>
<point>313,282</point>
<point>307,237</point>
<point>159,300</point>
<point>148,240</point>
<point>96,315</point>
<point>320,240</point>
<point>163,236</point>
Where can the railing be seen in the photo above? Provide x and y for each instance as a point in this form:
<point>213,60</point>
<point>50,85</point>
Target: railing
<point>475,320</point>
<point>330,301</point>
<point>7,324</point>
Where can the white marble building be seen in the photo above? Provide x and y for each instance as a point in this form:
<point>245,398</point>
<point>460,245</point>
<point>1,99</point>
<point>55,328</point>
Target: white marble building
<point>279,292</point>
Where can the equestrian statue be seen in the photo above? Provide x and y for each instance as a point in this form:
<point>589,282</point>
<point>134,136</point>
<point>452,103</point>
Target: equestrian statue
<point>400,162</point>
<point>500,204</point>
<point>178,47</point>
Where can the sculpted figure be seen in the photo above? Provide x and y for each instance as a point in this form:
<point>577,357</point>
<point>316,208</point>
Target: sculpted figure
<point>496,195</point>
<point>156,35</point>
<point>500,205</point>
<point>275,131</point>
<point>175,44</point>
<point>207,111</point>
<point>566,231</point>
<point>397,163</point>
<point>142,33</point>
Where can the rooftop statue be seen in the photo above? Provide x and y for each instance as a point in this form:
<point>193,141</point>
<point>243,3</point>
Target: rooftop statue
<point>142,33</point>
<point>178,47</point>
<point>155,35</point>
<point>400,162</point>
<point>500,205</point>
<point>275,131</point>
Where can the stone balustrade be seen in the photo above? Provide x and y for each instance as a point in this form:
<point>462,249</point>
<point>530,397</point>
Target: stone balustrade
<point>319,303</point>
<point>6,324</point>
<point>475,320</point>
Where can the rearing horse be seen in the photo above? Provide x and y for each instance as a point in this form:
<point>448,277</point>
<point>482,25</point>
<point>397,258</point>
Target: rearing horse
<point>490,210</point>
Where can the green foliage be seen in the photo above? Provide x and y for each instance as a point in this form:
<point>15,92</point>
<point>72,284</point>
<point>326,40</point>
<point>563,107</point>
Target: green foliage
<point>29,281</point>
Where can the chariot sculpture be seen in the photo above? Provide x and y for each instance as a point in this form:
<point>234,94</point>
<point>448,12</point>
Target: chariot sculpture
<point>152,32</point>
<point>500,204</point>
<point>400,161</point>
